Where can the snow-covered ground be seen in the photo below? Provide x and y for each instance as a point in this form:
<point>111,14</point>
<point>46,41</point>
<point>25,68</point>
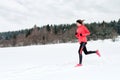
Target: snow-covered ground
<point>56,62</point>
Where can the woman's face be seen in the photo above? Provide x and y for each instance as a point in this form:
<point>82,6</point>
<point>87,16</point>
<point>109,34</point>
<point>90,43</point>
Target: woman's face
<point>78,24</point>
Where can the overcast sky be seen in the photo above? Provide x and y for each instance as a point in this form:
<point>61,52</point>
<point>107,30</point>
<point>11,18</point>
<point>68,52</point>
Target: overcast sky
<point>21,14</point>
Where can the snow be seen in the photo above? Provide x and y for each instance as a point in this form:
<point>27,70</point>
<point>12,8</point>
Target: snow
<point>56,62</point>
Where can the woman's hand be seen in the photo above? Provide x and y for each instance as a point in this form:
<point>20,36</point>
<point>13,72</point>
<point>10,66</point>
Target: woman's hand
<point>81,35</point>
<point>76,33</point>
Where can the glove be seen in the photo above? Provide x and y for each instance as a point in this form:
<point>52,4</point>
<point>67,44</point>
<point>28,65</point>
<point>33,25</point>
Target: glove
<point>80,34</point>
<point>76,33</point>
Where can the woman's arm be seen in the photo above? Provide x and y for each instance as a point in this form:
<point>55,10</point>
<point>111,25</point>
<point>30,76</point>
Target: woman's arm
<point>76,35</point>
<point>86,32</point>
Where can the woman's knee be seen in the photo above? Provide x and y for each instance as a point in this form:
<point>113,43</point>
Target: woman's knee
<point>86,53</point>
<point>79,51</point>
<point>80,55</point>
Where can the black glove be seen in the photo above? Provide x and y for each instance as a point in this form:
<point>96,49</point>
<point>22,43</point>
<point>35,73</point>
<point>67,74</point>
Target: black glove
<point>76,33</point>
<point>80,34</point>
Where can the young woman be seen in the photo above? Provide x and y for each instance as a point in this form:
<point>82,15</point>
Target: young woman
<point>81,34</point>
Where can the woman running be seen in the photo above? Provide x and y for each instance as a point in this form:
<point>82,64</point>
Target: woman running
<point>81,34</point>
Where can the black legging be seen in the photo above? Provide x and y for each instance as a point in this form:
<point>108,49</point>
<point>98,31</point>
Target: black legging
<point>83,48</point>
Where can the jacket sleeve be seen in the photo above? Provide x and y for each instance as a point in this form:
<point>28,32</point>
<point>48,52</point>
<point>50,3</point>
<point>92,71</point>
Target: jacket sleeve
<point>86,32</point>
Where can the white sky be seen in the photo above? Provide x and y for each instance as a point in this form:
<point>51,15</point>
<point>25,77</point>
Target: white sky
<point>21,14</point>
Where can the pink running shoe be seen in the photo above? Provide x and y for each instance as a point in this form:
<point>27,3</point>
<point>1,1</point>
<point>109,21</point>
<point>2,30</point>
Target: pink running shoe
<point>78,65</point>
<point>98,53</point>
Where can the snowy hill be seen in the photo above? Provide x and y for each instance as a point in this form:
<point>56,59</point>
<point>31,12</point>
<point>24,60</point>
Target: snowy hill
<point>56,62</point>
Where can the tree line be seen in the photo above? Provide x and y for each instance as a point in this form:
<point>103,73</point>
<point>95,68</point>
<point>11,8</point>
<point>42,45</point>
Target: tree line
<point>51,34</point>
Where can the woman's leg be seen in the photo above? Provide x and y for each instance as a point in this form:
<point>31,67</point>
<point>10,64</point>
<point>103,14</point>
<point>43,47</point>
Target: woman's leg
<point>87,52</point>
<point>80,58</point>
<point>80,52</point>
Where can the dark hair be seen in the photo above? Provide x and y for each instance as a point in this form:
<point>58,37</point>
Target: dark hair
<point>80,21</point>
